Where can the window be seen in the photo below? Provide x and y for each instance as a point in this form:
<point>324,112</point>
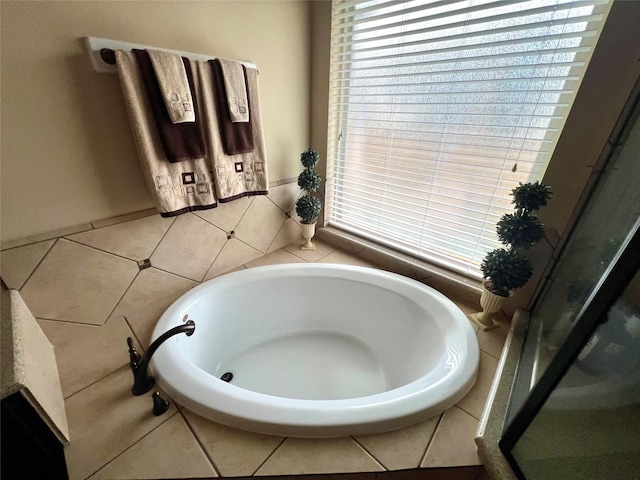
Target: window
<point>439,108</point>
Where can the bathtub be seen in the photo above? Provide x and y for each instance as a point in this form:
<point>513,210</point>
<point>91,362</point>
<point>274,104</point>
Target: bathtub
<point>317,350</point>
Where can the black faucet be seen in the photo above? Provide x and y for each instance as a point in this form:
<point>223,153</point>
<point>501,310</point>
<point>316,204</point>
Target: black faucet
<point>142,381</point>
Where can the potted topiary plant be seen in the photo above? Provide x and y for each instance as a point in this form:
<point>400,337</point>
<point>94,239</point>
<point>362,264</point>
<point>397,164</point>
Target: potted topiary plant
<point>506,269</point>
<point>308,206</point>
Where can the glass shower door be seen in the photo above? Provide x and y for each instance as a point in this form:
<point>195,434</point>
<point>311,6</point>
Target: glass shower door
<point>575,412</point>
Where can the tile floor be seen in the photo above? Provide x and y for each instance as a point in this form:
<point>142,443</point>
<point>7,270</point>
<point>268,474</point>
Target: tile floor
<point>91,290</point>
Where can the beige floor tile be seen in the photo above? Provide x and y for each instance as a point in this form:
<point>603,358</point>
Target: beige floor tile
<point>18,263</point>
<point>169,451</point>
<point>234,254</point>
<point>466,307</point>
<point>136,239</point>
<point>104,420</point>
<point>289,232</point>
<point>285,196</point>
<point>78,284</point>
<point>275,258</point>
<point>87,353</point>
<point>340,256</point>
<point>492,341</point>
<point>453,443</point>
<point>473,403</point>
<point>234,452</point>
<point>226,216</point>
<point>299,456</point>
<point>322,250</point>
<point>260,224</point>
<point>149,296</point>
<point>400,449</point>
<point>189,247</point>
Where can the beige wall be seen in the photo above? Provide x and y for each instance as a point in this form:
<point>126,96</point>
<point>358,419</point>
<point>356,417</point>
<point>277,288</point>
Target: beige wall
<point>613,70</point>
<point>320,52</point>
<point>67,154</point>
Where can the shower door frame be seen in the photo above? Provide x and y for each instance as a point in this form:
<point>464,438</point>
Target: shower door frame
<point>610,286</point>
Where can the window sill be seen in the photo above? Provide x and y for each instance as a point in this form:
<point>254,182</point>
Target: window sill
<point>449,283</point>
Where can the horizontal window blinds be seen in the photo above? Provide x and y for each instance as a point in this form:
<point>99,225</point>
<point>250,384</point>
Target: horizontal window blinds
<point>439,108</point>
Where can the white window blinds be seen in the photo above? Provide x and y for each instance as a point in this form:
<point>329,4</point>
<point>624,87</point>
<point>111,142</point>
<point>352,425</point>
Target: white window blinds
<point>439,108</point>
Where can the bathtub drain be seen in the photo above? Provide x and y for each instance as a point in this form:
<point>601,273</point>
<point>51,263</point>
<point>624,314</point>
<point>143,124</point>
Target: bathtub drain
<point>227,377</point>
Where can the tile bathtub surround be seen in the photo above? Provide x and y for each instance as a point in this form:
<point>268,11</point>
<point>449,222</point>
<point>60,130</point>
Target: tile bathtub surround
<point>114,435</point>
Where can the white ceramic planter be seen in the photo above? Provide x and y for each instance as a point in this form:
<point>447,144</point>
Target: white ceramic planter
<point>490,303</point>
<point>308,231</point>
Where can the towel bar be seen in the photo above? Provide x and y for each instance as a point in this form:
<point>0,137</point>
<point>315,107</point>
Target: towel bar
<point>102,53</point>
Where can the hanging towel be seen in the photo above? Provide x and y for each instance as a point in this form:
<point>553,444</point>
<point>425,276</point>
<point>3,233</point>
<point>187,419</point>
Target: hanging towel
<point>174,86</point>
<point>181,141</point>
<point>240,175</point>
<point>235,89</point>
<point>176,187</point>
<point>236,137</point>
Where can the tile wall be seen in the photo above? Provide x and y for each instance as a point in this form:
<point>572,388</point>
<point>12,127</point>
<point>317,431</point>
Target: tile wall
<point>91,289</point>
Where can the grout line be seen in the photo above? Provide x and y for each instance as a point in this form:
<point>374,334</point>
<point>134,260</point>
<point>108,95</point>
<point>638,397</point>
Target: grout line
<point>69,322</point>
<point>276,235</point>
<point>433,435</point>
<point>94,382</point>
<point>97,249</point>
<point>369,453</point>
<point>269,456</point>
<point>468,412</point>
<point>135,443</point>
<point>173,273</point>
<point>251,246</point>
<point>490,354</point>
<point>161,239</point>
<point>244,214</point>
<point>219,251</point>
<point>133,332</point>
<point>55,240</point>
<point>126,290</point>
<point>199,442</point>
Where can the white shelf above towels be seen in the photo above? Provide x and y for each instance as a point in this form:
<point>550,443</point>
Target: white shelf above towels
<point>94,45</point>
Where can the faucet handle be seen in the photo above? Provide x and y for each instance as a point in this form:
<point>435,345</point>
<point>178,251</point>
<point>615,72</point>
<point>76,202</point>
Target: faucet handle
<point>160,405</point>
<point>134,356</point>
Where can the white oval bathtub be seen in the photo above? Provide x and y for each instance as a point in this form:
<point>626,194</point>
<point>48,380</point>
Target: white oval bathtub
<point>317,350</point>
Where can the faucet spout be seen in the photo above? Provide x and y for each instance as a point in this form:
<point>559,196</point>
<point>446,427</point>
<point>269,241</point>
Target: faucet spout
<point>142,381</point>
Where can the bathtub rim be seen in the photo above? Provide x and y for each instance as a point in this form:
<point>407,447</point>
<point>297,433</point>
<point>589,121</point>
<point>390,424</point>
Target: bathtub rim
<point>263,413</point>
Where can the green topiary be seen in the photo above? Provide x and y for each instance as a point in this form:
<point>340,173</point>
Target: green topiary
<point>309,180</point>
<point>308,207</point>
<point>309,159</point>
<point>519,229</point>
<point>506,268</point>
<point>531,196</point>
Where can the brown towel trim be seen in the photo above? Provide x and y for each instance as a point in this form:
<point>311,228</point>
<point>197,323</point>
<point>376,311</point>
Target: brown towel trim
<point>191,208</point>
<point>245,194</point>
<point>181,141</point>
<point>236,137</point>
